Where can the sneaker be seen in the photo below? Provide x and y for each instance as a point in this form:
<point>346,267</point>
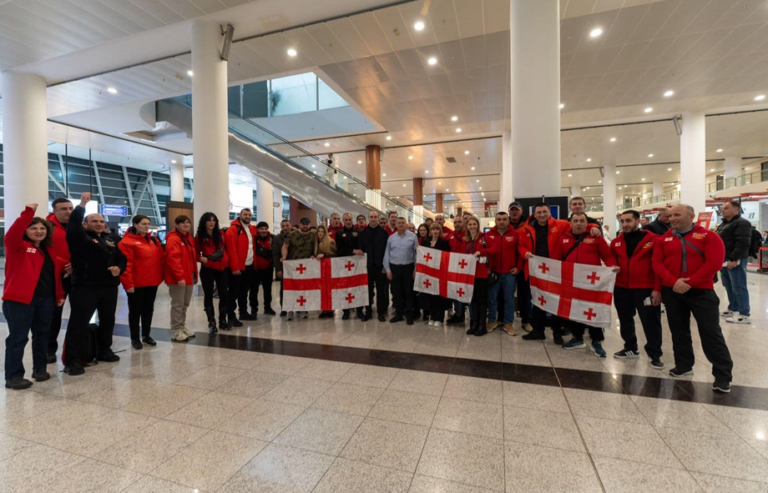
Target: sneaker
<point>430,323</point>
<point>136,344</point>
<point>722,386</point>
<point>738,319</point>
<point>574,344</point>
<point>727,314</point>
<point>270,311</point>
<point>109,357</point>
<point>51,359</point>
<point>481,331</point>
<point>597,348</point>
<point>491,326</point>
<point>41,376</point>
<point>304,315</point>
<point>187,332</point>
<point>224,325</point>
<point>510,329</point>
<point>533,336</point>
<point>382,318</point>
<point>74,369</point>
<point>151,342</point>
<point>437,323</point>
<point>528,328</point>
<point>178,336</point>
<point>626,353</point>
<point>234,322</point>
<point>18,384</point>
<point>290,316</point>
<point>212,328</point>
<point>557,339</point>
<point>656,363</point>
<point>680,372</point>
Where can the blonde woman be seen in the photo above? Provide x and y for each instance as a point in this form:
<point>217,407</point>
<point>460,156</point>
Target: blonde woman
<point>325,247</point>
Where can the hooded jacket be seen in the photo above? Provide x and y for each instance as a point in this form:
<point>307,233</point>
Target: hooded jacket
<point>145,260</point>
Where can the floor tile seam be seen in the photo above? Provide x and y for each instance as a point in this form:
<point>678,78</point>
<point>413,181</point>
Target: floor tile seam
<point>429,431</point>
<point>736,433</point>
<point>469,485</point>
<point>656,431</point>
<point>511,440</point>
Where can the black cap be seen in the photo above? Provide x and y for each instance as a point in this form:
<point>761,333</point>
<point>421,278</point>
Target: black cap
<point>515,204</point>
<point>262,224</point>
<point>304,220</point>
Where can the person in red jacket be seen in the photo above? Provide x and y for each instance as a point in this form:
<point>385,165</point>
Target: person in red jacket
<point>212,255</point>
<point>637,290</point>
<point>456,241</point>
<point>241,250</point>
<point>334,225</point>
<point>262,270</point>
<point>686,259</point>
<point>180,275</point>
<point>475,244</point>
<point>62,209</point>
<point>32,290</point>
<point>391,225</point>
<point>577,247</point>
<point>506,265</point>
<point>143,274</point>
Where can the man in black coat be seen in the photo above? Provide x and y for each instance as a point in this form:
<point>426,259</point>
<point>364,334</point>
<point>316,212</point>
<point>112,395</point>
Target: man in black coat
<point>347,241</point>
<point>736,233</point>
<point>373,242</point>
<point>660,225</point>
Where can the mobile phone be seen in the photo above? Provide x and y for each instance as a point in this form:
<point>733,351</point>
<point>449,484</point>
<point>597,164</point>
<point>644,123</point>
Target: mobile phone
<point>647,301</point>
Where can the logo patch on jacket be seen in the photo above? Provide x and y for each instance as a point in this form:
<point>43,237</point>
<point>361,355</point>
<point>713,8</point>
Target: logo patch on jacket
<point>617,244</point>
<point>554,229</point>
<point>648,245</point>
<point>510,238</point>
<point>589,241</point>
<point>566,240</point>
<point>670,238</point>
<point>31,250</point>
<point>699,236</point>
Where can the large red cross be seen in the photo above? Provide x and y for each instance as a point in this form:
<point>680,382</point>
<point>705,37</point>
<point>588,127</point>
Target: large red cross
<point>326,283</point>
<point>301,268</point>
<point>544,268</point>
<point>590,314</point>
<point>463,263</point>
<point>428,257</point>
<point>349,266</point>
<point>444,275</point>
<point>594,277</point>
<point>568,292</point>
<point>301,301</point>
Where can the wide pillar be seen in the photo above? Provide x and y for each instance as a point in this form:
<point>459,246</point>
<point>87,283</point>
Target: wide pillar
<point>732,167</point>
<point>693,165</point>
<point>439,203</point>
<point>209,121</point>
<point>177,183</point>
<point>610,206</point>
<point>25,147</point>
<point>265,199</point>
<point>658,188</point>
<point>418,200</point>
<point>535,97</point>
<point>373,176</point>
<point>277,212</point>
<point>506,196</point>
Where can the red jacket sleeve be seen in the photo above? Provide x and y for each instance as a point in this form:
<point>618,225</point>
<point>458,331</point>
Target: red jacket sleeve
<point>714,253</point>
<point>231,244</point>
<point>662,273</point>
<point>14,237</point>
<point>174,260</point>
<point>126,278</point>
<point>605,253</point>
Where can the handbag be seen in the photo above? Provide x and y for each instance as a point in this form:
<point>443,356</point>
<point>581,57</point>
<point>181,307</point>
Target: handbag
<point>217,255</point>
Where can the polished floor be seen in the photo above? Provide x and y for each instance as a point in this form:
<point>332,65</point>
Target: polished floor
<point>344,406</point>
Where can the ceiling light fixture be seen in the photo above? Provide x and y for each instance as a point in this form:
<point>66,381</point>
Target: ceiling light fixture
<point>650,155</point>
<point>760,97</point>
<point>173,161</point>
<point>190,73</point>
<point>327,144</point>
<point>389,137</point>
<point>427,172</point>
<point>410,157</point>
<point>642,179</point>
<point>648,109</point>
<point>569,175</point>
<point>599,181</point>
<point>446,189</point>
<point>712,170</point>
<point>618,172</point>
<point>719,150</point>
<point>472,168</point>
<point>477,181</point>
<point>669,169</point>
<point>562,105</point>
<point>403,184</point>
<point>419,26</point>
<point>458,130</point>
<point>466,153</point>
<point>112,90</point>
<point>480,188</point>
<point>359,162</point>
<point>669,93</point>
<point>594,33</point>
<point>384,174</point>
<point>613,139</point>
<point>589,159</point>
<point>432,61</point>
<point>292,52</point>
<point>454,118</point>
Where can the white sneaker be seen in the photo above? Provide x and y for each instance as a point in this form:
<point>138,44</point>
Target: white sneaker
<point>431,323</point>
<point>304,315</point>
<point>177,335</point>
<point>438,323</point>
<point>187,332</point>
<point>727,314</point>
<point>290,316</point>
<point>738,319</point>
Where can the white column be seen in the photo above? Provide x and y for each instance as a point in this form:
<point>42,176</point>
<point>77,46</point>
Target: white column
<point>609,196</point>
<point>209,121</point>
<point>693,166</point>
<point>506,196</point>
<point>277,211</point>
<point>177,183</point>
<point>535,97</point>
<point>732,167</point>
<point>658,188</point>
<point>418,214</point>
<point>25,149</point>
<point>265,197</point>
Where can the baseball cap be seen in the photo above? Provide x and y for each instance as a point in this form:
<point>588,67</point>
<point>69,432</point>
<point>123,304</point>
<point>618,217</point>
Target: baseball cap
<point>517,205</point>
<point>304,220</point>
<point>262,224</point>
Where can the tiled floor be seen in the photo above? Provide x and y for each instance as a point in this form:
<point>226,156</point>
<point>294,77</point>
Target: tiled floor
<point>248,412</point>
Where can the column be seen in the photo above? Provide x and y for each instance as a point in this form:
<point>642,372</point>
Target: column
<point>535,97</point>
<point>609,196</point>
<point>277,212</point>
<point>209,121</point>
<point>373,176</point>
<point>693,165</point>
<point>732,169</point>
<point>418,200</point>
<point>265,199</point>
<point>506,196</point>
<point>177,183</point>
<point>25,146</point>
<point>658,188</point>
<point>439,203</point>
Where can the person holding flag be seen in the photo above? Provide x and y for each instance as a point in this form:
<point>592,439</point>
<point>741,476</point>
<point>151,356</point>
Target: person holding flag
<point>434,305</point>
<point>475,244</point>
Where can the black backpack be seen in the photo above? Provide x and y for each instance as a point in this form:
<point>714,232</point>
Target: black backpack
<point>755,243</point>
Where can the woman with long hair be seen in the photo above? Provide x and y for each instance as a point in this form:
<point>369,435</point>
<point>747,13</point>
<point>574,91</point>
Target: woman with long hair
<point>143,274</point>
<point>32,290</point>
<point>423,234</point>
<point>434,305</point>
<point>212,255</point>
<point>324,247</point>
<point>474,244</point>
<point>180,275</point>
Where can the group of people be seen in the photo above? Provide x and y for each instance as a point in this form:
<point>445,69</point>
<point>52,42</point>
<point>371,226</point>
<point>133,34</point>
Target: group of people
<point>671,260</point>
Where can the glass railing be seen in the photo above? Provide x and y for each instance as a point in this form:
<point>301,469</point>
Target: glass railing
<point>738,181</point>
<point>665,197</point>
<point>310,164</point>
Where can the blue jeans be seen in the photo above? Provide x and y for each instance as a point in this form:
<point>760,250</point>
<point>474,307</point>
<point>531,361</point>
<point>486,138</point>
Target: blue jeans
<point>735,284</point>
<point>506,283</point>
<point>21,318</point>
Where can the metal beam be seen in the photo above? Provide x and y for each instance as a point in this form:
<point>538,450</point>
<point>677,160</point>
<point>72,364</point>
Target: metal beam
<point>98,185</point>
<point>141,197</point>
<point>56,182</point>
<point>63,174</point>
<point>153,196</point>
<point>129,190</point>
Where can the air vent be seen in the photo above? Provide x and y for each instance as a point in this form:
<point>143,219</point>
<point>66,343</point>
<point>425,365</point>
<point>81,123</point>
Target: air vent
<point>451,160</point>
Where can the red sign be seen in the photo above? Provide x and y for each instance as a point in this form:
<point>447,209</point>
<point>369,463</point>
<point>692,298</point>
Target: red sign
<point>704,219</point>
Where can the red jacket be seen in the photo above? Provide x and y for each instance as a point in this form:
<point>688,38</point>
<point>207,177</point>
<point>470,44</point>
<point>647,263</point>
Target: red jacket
<point>23,263</point>
<point>259,262</point>
<point>60,248</point>
<point>668,258</point>
<point>446,232</point>
<point>557,227</point>
<point>636,271</point>
<point>456,240</point>
<point>145,261</point>
<point>208,247</point>
<point>590,251</point>
<point>390,231</point>
<point>509,256</point>
<point>180,259</point>
<point>237,244</point>
<point>332,231</point>
<point>490,249</point>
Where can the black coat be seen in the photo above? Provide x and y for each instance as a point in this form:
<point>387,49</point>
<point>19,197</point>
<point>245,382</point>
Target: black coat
<point>441,244</point>
<point>91,254</point>
<point>347,241</point>
<point>373,241</point>
<point>657,227</point>
<point>737,236</point>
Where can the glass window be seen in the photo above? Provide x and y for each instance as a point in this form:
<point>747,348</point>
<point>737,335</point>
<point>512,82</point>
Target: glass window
<point>328,97</point>
<point>294,94</point>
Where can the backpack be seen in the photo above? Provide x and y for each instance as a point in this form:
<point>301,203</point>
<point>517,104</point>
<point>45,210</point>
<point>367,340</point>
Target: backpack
<point>755,243</point>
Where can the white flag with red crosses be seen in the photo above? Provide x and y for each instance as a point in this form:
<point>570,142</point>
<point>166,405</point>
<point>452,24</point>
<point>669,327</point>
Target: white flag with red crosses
<point>326,284</point>
<point>579,292</point>
<point>450,275</point>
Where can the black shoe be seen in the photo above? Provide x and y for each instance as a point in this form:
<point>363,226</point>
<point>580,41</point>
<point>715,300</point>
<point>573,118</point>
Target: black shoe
<point>74,369</point>
<point>51,358</point>
<point>656,363</point>
<point>148,341</point>
<point>270,311</point>
<point>212,326</point>
<point>425,318</point>
<point>18,384</point>
<point>345,316</point>
<point>627,354</point>
<point>109,358</point>
<point>41,376</point>
<point>395,319</point>
<point>233,322</point>
<point>136,344</point>
<point>558,339</point>
<point>382,318</point>
<point>535,336</point>
<point>283,313</point>
<point>566,332</point>
<point>224,325</point>
<point>409,321</point>
<point>680,372</point>
<point>471,330</point>
<point>454,320</point>
<point>247,316</point>
<point>360,313</point>
<point>722,386</point>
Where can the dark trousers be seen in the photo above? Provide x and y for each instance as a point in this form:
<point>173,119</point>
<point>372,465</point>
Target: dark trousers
<point>281,294</point>
<point>523,298</point>
<point>434,306</point>
<point>402,289</point>
<point>58,311</point>
<point>378,280</point>
<point>629,301</point>
<point>479,305</point>
<point>539,322</point>
<point>261,278</point>
<point>21,319</point>
<point>704,305</point>
<point>237,293</point>
<point>597,334</point>
<point>141,307</point>
<point>209,277</point>
<point>84,301</point>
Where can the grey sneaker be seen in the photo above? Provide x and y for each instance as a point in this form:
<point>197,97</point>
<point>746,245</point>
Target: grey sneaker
<point>738,319</point>
<point>187,332</point>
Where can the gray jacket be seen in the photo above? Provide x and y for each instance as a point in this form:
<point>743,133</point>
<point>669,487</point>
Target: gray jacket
<point>737,236</point>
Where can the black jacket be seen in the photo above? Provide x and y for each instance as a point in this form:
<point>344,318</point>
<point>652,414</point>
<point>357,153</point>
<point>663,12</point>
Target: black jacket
<point>91,254</point>
<point>347,240</point>
<point>441,244</point>
<point>373,241</point>
<point>737,236</point>
<point>657,227</point>
<point>277,251</point>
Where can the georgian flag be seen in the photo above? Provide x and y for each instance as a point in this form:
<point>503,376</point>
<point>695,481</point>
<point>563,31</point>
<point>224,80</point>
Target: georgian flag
<point>579,292</point>
<point>326,284</point>
<point>450,275</point>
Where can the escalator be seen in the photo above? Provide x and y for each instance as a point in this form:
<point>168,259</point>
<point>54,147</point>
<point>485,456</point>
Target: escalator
<point>303,176</point>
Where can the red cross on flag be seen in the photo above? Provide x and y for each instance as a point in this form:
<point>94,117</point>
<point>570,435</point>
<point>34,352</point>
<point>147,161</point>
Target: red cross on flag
<point>326,284</point>
<point>450,275</point>
<point>579,292</point>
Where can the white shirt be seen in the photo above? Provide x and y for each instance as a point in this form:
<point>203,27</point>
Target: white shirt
<point>249,258</point>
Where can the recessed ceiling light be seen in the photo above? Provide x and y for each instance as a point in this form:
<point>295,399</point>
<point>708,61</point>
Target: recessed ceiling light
<point>569,175</point>
<point>427,172</point>
<point>477,181</point>
<point>760,97</point>
<point>613,139</point>
<point>618,172</point>
<point>599,181</point>
<point>713,169</point>
<point>669,169</point>
<point>719,150</point>
<point>403,184</point>
<point>466,153</point>
<point>669,93</point>
<point>472,168</point>
<point>419,26</point>
<point>359,162</point>
<point>589,159</point>
<point>458,130</point>
<point>650,155</point>
<point>389,137</point>
<point>562,105</point>
<point>625,186</point>
<point>480,188</point>
<point>648,109</point>
<point>642,179</point>
<point>190,73</point>
<point>454,118</point>
<point>112,90</point>
<point>595,32</point>
<point>384,174</point>
<point>173,161</point>
<point>313,165</point>
<point>432,61</point>
<point>291,52</point>
<point>446,190</point>
<point>439,183</point>
<point>410,157</point>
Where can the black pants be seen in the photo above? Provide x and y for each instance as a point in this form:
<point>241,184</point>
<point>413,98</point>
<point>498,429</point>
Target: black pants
<point>207,278</point>
<point>84,300</point>
<point>578,329</point>
<point>523,298</point>
<point>479,303</point>
<point>237,292</point>
<point>141,307</point>
<point>261,278</point>
<point>281,294</point>
<point>402,289</point>
<point>58,311</point>
<point>629,301</point>
<point>539,322</point>
<point>705,307</point>
<point>378,280</point>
